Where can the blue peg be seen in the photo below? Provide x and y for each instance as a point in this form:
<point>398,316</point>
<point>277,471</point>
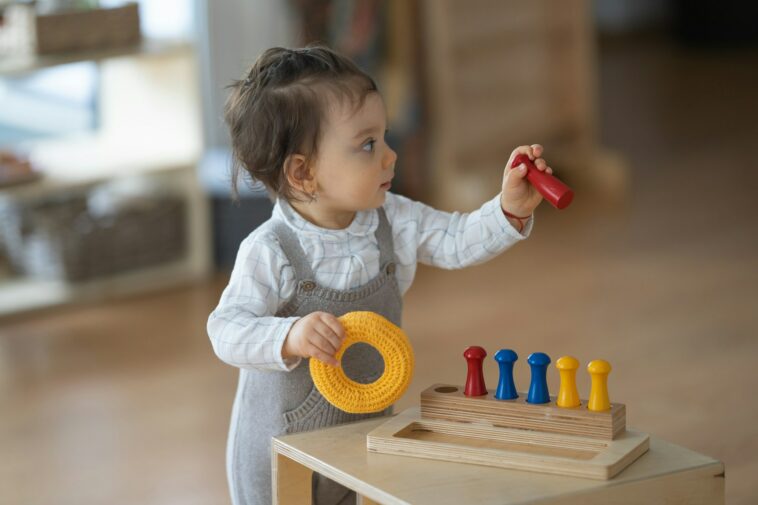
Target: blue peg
<point>506,389</point>
<point>538,392</point>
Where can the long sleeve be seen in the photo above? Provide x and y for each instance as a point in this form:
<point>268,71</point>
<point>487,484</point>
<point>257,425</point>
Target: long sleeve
<point>242,329</point>
<point>452,240</point>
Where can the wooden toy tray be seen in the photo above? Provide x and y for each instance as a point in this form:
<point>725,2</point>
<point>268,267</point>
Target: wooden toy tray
<point>408,434</point>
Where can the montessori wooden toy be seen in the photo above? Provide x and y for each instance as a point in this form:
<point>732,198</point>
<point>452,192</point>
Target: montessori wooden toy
<point>395,349</point>
<point>568,394</point>
<point>553,189</point>
<point>599,371</point>
<point>475,378</point>
<point>506,388</point>
<point>560,434</point>
<point>538,392</point>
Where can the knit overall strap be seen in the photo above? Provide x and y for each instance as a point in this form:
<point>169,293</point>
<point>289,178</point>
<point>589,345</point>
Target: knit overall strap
<point>302,266</point>
<point>384,237</point>
<point>295,254</point>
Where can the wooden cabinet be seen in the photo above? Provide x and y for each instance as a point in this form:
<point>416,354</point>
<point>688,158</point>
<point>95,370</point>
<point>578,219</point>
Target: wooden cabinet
<point>501,73</point>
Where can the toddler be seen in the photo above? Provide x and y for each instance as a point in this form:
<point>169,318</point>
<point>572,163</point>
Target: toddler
<point>310,126</point>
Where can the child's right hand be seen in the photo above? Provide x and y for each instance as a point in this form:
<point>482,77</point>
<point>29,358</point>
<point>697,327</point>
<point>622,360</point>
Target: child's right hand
<point>318,335</point>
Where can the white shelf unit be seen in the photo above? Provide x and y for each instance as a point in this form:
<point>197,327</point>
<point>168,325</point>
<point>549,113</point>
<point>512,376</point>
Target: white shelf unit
<point>153,135</point>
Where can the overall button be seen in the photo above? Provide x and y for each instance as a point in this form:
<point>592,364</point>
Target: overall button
<point>308,285</point>
<point>391,268</point>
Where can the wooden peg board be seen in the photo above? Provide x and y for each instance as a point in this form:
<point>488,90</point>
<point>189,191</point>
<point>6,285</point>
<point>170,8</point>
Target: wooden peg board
<point>450,426</point>
<point>447,402</point>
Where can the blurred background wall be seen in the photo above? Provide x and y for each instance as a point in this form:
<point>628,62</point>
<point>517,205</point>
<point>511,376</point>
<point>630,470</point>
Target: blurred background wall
<point>118,228</point>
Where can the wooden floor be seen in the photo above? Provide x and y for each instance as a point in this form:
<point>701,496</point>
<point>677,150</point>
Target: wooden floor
<point>124,402</point>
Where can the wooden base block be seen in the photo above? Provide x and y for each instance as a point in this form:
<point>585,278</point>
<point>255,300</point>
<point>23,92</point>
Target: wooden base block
<point>408,434</point>
<point>448,403</point>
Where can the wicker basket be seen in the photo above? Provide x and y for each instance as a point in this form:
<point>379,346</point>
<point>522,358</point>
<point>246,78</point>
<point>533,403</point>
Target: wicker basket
<point>60,238</point>
<point>71,31</point>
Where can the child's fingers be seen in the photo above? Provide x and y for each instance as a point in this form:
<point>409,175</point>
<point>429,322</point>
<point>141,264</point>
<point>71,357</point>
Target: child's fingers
<point>519,150</point>
<point>336,332</point>
<point>533,151</point>
<point>515,176</point>
<point>316,352</point>
<point>540,164</point>
<point>526,150</point>
<point>549,170</point>
<point>328,340</point>
<point>334,323</point>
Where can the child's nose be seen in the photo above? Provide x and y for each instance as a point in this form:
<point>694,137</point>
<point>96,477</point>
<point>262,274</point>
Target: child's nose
<point>389,158</point>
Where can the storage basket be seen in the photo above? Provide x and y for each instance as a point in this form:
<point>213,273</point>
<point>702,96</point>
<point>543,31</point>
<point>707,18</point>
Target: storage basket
<point>91,29</point>
<point>61,239</point>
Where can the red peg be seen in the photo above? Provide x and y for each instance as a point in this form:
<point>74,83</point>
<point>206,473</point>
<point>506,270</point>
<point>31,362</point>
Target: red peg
<point>475,377</point>
<point>554,191</point>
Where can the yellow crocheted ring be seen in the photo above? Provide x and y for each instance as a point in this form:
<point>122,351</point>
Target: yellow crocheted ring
<point>394,347</point>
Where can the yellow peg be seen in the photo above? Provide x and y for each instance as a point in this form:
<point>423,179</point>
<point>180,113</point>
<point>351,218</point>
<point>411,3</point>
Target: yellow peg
<point>568,395</point>
<point>599,370</point>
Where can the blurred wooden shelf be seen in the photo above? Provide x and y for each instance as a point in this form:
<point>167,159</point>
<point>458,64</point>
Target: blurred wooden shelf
<point>22,294</point>
<point>16,65</point>
<point>142,139</point>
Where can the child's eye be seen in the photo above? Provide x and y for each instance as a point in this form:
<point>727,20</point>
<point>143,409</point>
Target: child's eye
<point>369,146</point>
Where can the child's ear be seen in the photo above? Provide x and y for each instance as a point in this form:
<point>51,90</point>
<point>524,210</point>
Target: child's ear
<point>298,173</point>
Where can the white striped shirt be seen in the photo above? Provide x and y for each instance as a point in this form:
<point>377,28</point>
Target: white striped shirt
<point>243,329</point>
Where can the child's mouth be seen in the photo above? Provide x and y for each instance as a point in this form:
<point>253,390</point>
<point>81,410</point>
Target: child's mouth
<point>386,185</point>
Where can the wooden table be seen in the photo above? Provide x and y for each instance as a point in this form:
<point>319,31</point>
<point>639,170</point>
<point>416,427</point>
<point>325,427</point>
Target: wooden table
<point>667,473</point>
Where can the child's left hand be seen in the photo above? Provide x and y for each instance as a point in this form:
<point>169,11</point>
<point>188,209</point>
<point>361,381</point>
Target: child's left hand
<point>519,197</point>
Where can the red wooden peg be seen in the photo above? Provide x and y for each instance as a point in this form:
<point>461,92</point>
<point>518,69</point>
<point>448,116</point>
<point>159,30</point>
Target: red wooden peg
<point>475,377</point>
<point>554,191</point>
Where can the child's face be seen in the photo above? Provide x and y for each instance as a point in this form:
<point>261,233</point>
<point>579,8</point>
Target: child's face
<point>355,165</point>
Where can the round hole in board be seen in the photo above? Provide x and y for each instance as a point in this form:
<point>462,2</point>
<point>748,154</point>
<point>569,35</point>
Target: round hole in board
<point>446,389</point>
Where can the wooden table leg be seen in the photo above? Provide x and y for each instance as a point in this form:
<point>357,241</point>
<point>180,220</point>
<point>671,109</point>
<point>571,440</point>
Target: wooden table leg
<point>291,481</point>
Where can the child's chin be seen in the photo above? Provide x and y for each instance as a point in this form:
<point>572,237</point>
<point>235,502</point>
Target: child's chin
<point>374,203</point>
<point>377,201</point>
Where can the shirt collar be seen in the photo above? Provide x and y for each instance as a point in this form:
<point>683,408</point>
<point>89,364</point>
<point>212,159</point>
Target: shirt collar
<point>365,222</point>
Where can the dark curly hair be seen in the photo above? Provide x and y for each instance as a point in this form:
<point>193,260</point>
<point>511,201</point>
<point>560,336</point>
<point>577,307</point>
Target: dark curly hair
<point>278,108</point>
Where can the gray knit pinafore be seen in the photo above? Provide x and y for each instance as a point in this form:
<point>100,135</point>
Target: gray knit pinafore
<point>271,403</point>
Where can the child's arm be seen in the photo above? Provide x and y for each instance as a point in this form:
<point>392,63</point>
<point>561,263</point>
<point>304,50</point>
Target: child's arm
<point>457,240</point>
<point>242,329</point>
